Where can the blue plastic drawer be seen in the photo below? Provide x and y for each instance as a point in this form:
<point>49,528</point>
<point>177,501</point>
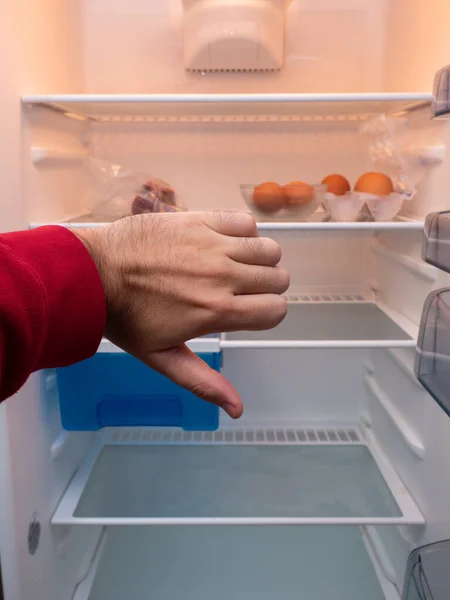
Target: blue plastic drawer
<point>115,389</point>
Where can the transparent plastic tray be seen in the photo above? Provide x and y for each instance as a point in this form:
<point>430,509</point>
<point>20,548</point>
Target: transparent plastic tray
<point>436,247</point>
<point>433,348</point>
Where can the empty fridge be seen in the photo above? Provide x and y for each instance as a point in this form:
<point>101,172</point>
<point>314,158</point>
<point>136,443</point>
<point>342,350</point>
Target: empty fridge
<point>338,469</point>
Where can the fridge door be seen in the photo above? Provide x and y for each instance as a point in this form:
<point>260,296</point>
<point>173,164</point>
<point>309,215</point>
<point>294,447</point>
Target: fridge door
<point>427,573</point>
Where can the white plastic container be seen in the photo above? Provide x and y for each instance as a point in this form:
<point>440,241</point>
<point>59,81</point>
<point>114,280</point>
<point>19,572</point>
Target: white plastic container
<point>384,208</point>
<point>243,35</point>
<point>343,208</point>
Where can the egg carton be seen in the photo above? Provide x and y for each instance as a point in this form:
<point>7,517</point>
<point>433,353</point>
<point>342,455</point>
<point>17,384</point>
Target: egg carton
<point>354,206</point>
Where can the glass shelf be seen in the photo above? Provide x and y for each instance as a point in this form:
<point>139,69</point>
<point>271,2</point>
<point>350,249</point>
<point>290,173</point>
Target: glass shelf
<point>320,323</point>
<point>236,483</point>
<point>228,107</point>
<point>255,563</point>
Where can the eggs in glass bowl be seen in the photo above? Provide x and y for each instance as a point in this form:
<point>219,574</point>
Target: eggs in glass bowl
<point>295,201</point>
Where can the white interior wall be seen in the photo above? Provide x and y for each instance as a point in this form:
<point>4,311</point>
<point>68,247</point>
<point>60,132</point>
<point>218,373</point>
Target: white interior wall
<point>39,52</point>
<point>417,44</point>
<point>136,47</point>
<point>205,163</point>
<point>55,188</point>
<point>427,479</point>
<point>287,387</point>
<point>403,281</point>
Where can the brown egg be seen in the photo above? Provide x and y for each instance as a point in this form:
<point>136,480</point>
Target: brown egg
<point>374,183</point>
<point>298,192</point>
<point>336,184</point>
<point>268,197</point>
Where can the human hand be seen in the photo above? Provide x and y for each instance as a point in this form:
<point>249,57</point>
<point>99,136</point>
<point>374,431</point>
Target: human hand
<point>171,277</point>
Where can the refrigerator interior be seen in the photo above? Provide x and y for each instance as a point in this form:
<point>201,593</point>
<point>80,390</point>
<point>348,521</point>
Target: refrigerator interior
<point>355,451</point>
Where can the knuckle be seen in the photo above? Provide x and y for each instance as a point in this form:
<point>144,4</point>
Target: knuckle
<point>193,219</point>
<point>247,224</point>
<point>285,278</point>
<point>279,310</point>
<point>220,216</point>
<point>220,269</point>
<point>201,389</point>
<point>250,247</point>
<point>272,248</point>
<point>224,216</point>
<point>246,219</point>
<point>222,307</point>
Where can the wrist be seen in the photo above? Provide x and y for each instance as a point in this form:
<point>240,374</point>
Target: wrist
<point>92,240</point>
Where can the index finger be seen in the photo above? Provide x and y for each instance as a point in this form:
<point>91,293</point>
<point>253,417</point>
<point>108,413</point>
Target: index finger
<point>237,224</point>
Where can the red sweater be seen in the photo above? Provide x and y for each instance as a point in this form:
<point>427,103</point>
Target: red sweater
<point>52,305</point>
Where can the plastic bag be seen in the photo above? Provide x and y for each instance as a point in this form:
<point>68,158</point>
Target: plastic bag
<point>116,192</point>
<point>388,140</point>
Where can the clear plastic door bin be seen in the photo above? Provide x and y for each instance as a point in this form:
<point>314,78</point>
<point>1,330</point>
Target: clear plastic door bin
<point>433,348</point>
<point>436,248</point>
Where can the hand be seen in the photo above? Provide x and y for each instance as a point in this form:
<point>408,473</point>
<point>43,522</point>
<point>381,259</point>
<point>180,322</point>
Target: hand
<point>171,277</point>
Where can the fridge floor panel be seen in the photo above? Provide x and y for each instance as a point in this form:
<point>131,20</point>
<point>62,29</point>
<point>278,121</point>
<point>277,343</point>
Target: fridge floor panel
<point>233,563</point>
<point>330,321</point>
<point>236,483</point>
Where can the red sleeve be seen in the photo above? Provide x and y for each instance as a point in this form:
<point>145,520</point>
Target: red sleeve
<point>52,305</point>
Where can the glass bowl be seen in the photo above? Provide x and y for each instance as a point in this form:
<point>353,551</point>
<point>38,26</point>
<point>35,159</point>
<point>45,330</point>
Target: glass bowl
<point>293,212</point>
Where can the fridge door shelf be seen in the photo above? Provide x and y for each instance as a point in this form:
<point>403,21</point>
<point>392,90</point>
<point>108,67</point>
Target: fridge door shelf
<point>235,562</point>
<point>236,477</point>
<point>432,365</point>
<point>436,246</point>
<point>427,576</point>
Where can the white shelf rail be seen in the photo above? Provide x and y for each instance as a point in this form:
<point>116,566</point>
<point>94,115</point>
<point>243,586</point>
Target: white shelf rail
<point>409,436</point>
<point>416,266</point>
<point>228,107</point>
<point>317,344</point>
<point>406,366</point>
<point>198,345</point>
<point>365,226</point>
<point>44,154</point>
<point>381,563</point>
